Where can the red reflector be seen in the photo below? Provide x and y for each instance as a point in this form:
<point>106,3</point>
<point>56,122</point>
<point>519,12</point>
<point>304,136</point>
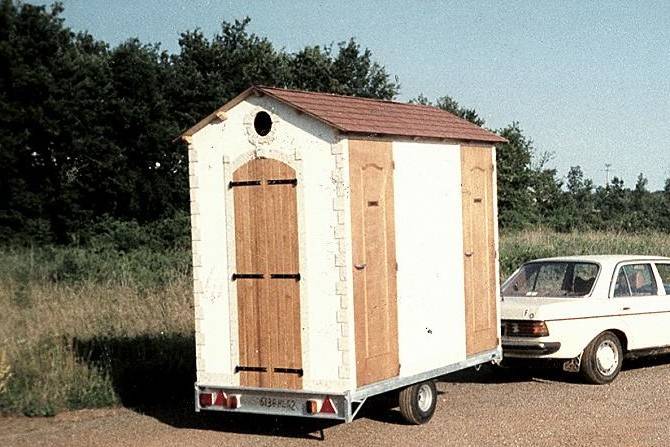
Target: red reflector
<point>233,402</point>
<point>205,399</point>
<point>220,400</point>
<point>312,407</point>
<point>328,406</point>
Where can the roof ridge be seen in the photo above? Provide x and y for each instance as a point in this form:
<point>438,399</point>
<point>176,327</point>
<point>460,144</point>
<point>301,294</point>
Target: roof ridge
<point>382,101</point>
<point>349,97</point>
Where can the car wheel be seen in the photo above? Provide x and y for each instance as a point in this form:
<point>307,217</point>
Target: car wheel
<point>601,361</point>
<point>418,401</point>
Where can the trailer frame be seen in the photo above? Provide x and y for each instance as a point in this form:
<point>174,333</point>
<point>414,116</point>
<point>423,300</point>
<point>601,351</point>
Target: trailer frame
<point>284,402</point>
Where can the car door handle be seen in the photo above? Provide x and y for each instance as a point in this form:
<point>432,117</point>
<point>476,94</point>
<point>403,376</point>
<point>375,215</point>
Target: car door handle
<point>360,266</point>
<point>468,253</point>
<point>625,308</point>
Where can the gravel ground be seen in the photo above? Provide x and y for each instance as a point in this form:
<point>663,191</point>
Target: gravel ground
<point>489,407</point>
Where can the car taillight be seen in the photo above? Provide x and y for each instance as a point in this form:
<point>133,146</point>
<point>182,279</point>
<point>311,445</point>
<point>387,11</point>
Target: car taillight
<point>539,329</point>
<point>524,328</point>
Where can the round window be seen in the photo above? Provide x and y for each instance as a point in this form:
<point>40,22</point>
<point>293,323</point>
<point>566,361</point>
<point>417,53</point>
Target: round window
<point>262,123</point>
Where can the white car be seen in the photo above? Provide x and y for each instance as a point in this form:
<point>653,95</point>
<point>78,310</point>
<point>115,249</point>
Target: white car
<point>587,312</point>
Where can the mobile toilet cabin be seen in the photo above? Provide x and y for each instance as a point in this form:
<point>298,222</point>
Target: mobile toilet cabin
<point>342,247</point>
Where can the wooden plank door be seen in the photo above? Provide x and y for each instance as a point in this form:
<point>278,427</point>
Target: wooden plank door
<point>374,271</point>
<point>479,248</point>
<point>267,275</point>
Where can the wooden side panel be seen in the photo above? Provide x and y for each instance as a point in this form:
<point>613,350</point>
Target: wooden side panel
<point>479,248</point>
<point>374,258</point>
<point>266,238</point>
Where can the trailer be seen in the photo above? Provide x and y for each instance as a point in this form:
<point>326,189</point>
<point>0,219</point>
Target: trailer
<point>343,247</point>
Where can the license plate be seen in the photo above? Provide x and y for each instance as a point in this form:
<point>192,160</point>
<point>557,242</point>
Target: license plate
<point>277,402</point>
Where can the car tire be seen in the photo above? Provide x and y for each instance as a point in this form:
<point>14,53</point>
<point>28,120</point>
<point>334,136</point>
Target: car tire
<point>602,358</point>
<point>418,402</point>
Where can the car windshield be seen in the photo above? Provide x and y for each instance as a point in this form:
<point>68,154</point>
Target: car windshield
<point>552,280</point>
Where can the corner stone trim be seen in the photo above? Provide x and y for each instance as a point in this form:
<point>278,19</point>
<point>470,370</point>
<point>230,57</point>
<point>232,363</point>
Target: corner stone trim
<point>338,175</point>
<point>196,247</point>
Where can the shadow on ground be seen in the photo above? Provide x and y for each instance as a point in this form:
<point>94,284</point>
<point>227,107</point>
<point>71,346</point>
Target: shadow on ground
<point>183,416</point>
<point>529,371</point>
<point>646,362</point>
<point>144,370</point>
<point>492,374</point>
<point>154,375</point>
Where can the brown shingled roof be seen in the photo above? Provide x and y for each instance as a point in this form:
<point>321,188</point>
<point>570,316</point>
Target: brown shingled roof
<point>351,114</point>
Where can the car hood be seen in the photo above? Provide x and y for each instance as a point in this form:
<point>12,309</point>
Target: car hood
<point>537,308</point>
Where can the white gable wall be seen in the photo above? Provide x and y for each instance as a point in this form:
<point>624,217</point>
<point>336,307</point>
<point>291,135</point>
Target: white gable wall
<point>316,153</point>
<point>429,247</point>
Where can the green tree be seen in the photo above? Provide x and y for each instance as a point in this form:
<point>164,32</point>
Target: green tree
<point>450,105</point>
<point>549,198</point>
<point>87,130</point>
<point>50,80</point>
<point>352,72</point>
<point>579,211</point>
<point>207,73</point>
<point>612,202</point>
<point>642,212</point>
<point>311,69</point>
<point>517,206</point>
<point>664,207</point>
<point>153,176</point>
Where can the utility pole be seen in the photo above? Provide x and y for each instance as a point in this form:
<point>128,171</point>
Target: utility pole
<point>607,173</point>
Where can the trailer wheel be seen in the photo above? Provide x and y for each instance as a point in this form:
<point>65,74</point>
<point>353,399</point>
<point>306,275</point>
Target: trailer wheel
<point>418,401</point>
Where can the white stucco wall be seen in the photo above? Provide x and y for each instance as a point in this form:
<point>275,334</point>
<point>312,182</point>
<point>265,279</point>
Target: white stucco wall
<point>429,247</point>
<point>317,154</point>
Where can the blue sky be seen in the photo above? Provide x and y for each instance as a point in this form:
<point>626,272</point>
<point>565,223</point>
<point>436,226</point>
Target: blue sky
<point>587,81</point>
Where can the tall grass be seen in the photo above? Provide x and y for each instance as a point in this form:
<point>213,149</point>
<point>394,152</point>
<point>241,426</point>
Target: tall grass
<point>90,327</point>
<point>516,248</point>
<point>76,323</point>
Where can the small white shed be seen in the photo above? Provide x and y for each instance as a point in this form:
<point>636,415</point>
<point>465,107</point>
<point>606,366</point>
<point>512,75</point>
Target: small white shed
<point>342,247</point>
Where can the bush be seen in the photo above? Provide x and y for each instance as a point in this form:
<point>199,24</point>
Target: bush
<point>143,267</point>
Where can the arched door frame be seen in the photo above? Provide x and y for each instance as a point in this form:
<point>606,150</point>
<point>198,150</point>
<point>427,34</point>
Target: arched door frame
<point>229,168</point>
